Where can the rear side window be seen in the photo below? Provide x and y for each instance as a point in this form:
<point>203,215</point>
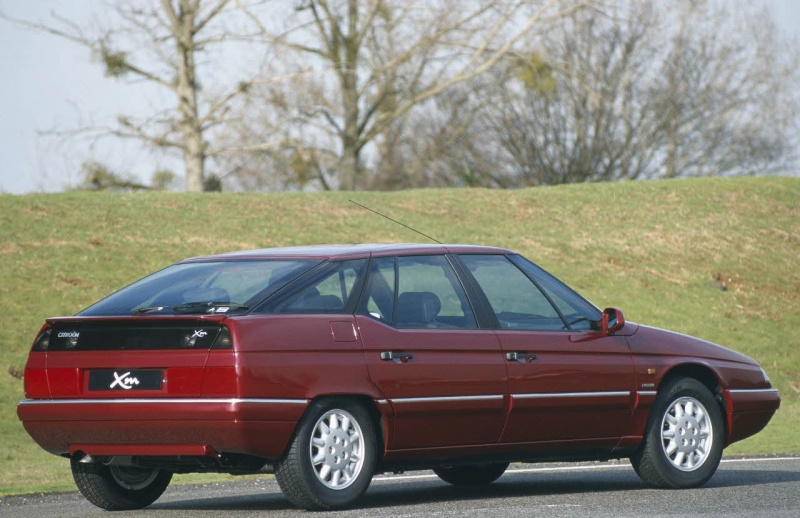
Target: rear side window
<point>328,290</point>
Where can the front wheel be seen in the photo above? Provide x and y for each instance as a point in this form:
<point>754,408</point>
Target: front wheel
<point>119,488</point>
<point>473,475</point>
<point>683,442</point>
<point>330,461</point>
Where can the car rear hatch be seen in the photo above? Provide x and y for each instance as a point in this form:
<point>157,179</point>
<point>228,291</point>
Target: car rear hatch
<point>132,357</point>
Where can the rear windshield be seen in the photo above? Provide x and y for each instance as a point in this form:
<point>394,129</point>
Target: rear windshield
<point>241,284</point>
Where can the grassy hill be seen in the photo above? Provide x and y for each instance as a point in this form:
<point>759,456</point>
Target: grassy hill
<point>659,250</point>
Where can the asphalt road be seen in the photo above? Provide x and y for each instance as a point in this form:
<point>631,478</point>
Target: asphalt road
<point>742,488</point>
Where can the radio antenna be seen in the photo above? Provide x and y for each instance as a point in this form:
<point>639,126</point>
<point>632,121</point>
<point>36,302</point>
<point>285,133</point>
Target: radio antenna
<point>395,221</point>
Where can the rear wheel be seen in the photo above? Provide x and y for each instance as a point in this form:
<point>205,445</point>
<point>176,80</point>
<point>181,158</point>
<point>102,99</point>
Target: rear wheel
<point>473,475</point>
<point>683,442</point>
<point>119,488</point>
<point>331,459</point>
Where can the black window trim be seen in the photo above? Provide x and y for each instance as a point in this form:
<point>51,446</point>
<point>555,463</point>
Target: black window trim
<point>485,316</point>
<point>360,306</point>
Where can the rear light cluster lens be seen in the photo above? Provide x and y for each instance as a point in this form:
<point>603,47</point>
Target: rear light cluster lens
<point>42,341</point>
<point>766,378</point>
<point>224,339</point>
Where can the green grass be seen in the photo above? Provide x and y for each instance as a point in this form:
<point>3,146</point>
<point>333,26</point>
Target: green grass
<point>653,249</point>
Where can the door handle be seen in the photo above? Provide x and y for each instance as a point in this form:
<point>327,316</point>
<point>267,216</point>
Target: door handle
<point>521,357</point>
<point>397,357</point>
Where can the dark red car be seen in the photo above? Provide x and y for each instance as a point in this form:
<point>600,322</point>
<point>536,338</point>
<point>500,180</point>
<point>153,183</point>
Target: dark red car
<point>327,364</point>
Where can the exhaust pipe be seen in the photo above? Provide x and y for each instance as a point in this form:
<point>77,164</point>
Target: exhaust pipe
<point>87,459</point>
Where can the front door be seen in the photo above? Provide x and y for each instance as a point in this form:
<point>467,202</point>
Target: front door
<point>567,386</point>
<point>567,381</point>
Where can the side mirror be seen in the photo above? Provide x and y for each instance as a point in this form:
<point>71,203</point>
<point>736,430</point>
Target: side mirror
<point>613,320</point>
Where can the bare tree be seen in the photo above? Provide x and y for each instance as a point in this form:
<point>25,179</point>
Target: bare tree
<point>726,92</point>
<point>162,42</point>
<point>648,90</point>
<point>362,67</point>
<point>441,146</point>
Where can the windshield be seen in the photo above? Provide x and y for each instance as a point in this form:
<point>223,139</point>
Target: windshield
<point>228,286</point>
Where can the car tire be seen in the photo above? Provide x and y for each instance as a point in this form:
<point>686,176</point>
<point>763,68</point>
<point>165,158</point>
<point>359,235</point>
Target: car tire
<point>330,461</point>
<point>473,475</point>
<point>119,488</point>
<point>685,435</point>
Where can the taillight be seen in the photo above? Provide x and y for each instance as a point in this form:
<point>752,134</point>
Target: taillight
<point>42,341</point>
<point>219,381</point>
<point>36,385</point>
<point>224,339</point>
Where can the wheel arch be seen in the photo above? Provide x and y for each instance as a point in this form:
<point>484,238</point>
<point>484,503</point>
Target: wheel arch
<point>379,419</point>
<point>709,378</point>
<point>702,373</point>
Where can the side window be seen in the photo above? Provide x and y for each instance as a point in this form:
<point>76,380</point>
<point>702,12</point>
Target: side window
<point>577,311</point>
<point>240,281</point>
<point>326,292</point>
<point>516,301</point>
<point>430,296</point>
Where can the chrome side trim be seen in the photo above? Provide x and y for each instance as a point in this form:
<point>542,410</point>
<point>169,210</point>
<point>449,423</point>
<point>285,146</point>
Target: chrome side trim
<point>443,399</point>
<point>752,391</point>
<point>166,401</point>
<point>545,395</point>
<point>646,392</point>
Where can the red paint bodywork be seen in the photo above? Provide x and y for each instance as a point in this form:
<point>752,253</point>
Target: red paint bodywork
<point>455,394</point>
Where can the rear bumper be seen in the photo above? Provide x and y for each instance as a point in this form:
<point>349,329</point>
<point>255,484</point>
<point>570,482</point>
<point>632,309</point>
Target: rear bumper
<point>162,426</point>
<point>749,411</point>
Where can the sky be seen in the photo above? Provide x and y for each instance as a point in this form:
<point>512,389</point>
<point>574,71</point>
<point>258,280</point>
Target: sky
<point>49,87</point>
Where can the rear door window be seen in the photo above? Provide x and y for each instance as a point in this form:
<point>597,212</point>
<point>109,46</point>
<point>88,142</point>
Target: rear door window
<point>420,292</point>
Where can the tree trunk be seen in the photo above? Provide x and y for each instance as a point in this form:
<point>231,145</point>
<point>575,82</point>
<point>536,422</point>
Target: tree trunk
<point>193,146</point>
<point>350,159</point>
<point>194,160</point>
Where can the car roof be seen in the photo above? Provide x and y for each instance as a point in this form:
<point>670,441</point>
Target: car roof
<point>345,251</point>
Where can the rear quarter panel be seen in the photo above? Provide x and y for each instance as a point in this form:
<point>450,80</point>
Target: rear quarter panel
<point>299,356</point>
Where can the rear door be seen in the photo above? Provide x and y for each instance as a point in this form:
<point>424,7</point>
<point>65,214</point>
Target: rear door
<point>444,378</point>
<point>567,382</point>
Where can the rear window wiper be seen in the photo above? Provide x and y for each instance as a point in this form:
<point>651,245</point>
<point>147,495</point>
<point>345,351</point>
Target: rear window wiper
<point>152,309</point>
<point>195,307</point>
<point>208,307</point>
